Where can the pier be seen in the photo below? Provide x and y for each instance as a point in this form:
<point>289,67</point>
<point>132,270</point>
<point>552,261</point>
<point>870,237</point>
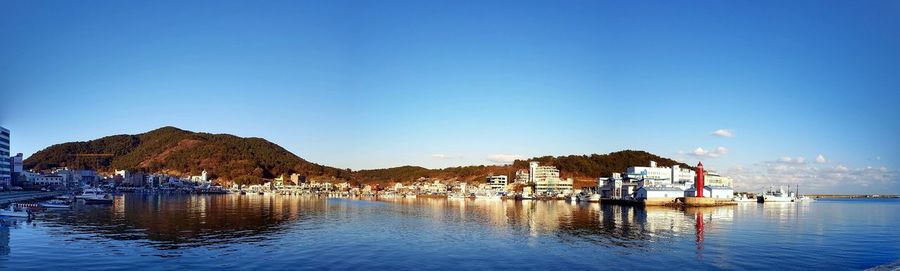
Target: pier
<point>17,196</point>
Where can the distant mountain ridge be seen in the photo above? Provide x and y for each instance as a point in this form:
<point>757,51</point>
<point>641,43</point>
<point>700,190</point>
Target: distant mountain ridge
<point>250,160</point>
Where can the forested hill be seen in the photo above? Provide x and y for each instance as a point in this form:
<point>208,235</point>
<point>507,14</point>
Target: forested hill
<point>179,152</point>
<point>584,168</point>
<point>250,160</point>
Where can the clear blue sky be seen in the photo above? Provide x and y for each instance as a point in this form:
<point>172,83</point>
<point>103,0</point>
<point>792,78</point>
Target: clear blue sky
<point>371,84</point>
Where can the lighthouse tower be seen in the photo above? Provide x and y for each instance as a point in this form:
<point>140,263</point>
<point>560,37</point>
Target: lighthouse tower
<point>699,183</point>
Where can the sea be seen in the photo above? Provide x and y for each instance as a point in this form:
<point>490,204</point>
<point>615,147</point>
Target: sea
<point>144,231</point>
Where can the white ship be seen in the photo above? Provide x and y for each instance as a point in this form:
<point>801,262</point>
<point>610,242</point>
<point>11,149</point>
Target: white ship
<point>776,195</point>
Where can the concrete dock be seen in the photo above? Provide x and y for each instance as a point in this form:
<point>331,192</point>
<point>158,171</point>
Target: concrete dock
<point>17,196</point>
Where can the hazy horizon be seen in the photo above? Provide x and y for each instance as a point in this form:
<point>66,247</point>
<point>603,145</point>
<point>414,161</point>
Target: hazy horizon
<point>767,92</point>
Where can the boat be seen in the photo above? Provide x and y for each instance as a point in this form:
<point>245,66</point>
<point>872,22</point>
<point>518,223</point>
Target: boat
<point>90,193</point>
<point>594,198</point>
<point>775,195</point>
<point>456,196</point>
<point>744,198</point>
<point>95,196</point>
<point>806,199</point>
<point>14,211</point>
<point>55,204</point>
<point>496,196</point>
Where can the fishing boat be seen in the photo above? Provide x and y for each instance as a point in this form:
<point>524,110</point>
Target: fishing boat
<point>55,204</point>
<point>776,195</point>
<point>14,211</point>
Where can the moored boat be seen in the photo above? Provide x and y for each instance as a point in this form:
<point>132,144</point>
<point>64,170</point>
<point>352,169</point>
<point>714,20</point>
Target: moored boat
<point>55,204</point>
<point>14,211</point>
<point>744,198</point>
<point>776,195</point>
<point>95,196</point>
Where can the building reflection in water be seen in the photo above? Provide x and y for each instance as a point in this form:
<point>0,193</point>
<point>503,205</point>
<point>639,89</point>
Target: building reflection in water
<point>4,238</point>
<point>606,225</point>
<point>176,221</point>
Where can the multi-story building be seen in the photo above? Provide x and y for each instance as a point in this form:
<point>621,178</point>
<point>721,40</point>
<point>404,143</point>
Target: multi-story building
<point>714,179</point>
<point>16,162</point>
<point>662,176</point>
<point>49,180</point>
<point>498,182</point>
<point>5,167</point>
<point>546,179</point>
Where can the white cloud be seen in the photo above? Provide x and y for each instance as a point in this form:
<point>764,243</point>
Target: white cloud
<point>812,177</point>
<point>792,160</point>
<point>821,159</point>
<point>504,158</point>
<point>445,157</point>
<point>723,133</point>
<point>700,152</point>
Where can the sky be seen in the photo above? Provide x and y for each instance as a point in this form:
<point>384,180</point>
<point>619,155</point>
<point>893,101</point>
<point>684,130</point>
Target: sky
<point>768,92</point>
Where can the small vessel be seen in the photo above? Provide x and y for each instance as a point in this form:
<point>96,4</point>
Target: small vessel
<point>90,193</point>
<point>744,198</point>
<point>456,196</point>
<point>806,199</point>
<point>14,211</point>
<point>594,198</point>
<point>775,195</point>
<point>95,196</point>
<point>496,196</point>
<point>55,204</point>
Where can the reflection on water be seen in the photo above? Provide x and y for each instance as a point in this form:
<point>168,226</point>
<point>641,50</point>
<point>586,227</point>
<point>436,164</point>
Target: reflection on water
<point>276,232</point>
<point>175,221</point>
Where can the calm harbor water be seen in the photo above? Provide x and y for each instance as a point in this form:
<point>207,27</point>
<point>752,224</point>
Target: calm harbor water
<point>203,232</point>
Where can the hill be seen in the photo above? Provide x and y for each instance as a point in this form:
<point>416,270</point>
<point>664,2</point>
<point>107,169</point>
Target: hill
<point>179,152</point>
<point>248,160</point>
<point>583,168</point>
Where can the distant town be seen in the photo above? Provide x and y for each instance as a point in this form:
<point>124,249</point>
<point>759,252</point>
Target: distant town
<point>639,184</point>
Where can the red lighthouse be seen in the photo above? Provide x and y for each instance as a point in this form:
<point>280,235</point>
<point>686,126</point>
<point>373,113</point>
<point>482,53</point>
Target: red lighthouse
<point>699,183</point>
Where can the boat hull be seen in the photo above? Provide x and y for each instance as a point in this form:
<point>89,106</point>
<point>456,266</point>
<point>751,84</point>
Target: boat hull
<point>13,214</point>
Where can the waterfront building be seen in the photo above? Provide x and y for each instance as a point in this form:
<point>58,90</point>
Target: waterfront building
<point>49,180</point>
<point>711,191</point>
<point>203,178</point>
<point>498,182</point>
<point>297,179</point>
<point>86,177</point>
<point>546,179</point>
<point>16,162</point>
<point>521,176</point>
<point>658,192</point>
<point>5,166</point>
<point>662,176</point>
<point>617,187</point>
<point>714,179</point>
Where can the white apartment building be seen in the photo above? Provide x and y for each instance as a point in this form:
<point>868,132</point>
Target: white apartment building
<point>546,179</point>
<point>498,182</point>
<point>714,179</point>
<point>48,180</point>
<point>662,176</point>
